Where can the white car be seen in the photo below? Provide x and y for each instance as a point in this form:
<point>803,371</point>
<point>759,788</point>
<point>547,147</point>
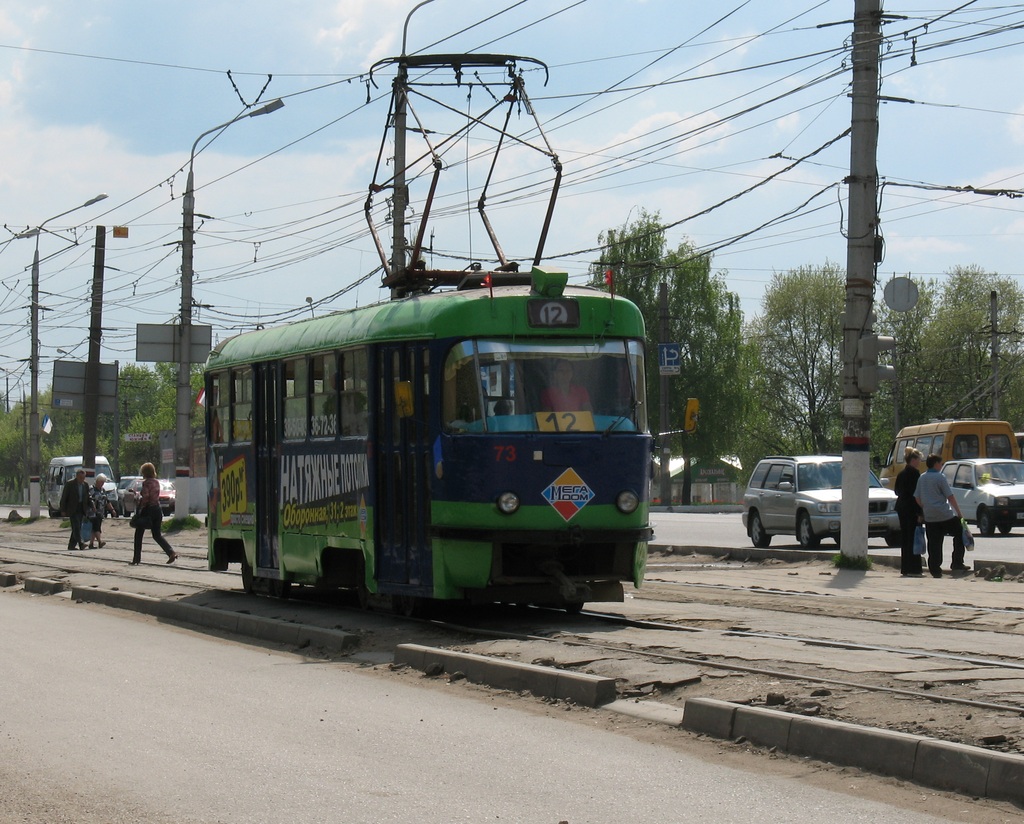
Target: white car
<point>990,492</point>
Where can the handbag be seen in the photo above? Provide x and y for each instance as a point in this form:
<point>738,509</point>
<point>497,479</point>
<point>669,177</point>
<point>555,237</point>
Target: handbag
<point>85,532</point>
<point>140,520</point>
<point>919,540</point>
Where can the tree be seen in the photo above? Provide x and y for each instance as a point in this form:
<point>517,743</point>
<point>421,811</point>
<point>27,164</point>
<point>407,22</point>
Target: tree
<point>943,354</point>
<point>704,319</point>
<point>146,403</point>
<point>797,365</point>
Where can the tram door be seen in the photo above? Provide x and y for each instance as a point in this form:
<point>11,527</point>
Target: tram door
<point>268,470</point>
<point>403,460</point>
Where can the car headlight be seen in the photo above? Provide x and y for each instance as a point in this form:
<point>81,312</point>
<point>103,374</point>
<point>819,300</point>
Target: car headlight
<point>830,508</point>
<point>627,502</point>
<point>508,502</point>
<point>1002,501</point>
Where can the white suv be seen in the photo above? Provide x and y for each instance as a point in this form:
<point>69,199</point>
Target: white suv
<point>990,492</point>
<point>802,496</point>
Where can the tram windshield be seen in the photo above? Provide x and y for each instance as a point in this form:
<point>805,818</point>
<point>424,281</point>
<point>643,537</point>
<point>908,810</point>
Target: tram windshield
<point>506,386</point>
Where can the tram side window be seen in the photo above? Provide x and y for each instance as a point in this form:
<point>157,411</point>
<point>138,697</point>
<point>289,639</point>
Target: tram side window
<point>217,403</point>
<point>295,384</point>
<point>241,405</point>
<point>323,413</point>
<point>354,385</point>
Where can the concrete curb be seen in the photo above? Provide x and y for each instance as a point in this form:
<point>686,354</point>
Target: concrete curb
<point>583,689</point>
<point>253,626</point>
<point>43,586</point>
<point>939,764</point>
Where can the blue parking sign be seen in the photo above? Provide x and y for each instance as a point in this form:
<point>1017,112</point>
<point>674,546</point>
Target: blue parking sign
<point>668,359</point>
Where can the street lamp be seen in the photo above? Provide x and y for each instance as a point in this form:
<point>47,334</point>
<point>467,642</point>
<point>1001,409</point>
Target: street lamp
<point>182,432</point>
<point>33,466</point>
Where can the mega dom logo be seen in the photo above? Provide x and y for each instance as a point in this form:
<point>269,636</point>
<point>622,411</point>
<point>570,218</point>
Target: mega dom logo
<point>568,494</point>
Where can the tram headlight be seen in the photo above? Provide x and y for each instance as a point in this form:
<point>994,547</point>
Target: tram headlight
<point>627,502</point>
<point>508,502</point>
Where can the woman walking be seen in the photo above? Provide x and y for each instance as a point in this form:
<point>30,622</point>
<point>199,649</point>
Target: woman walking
<point>149,515</point>
<point>909,511</point>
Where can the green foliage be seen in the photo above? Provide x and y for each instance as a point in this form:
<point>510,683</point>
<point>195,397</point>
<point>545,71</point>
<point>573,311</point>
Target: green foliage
<point>943,360</point>
<point>943,355</point>
<point>704,318</point>
<point>146,403</point>
<point>188,523</point>
<point>795,362</point>
<point>841,561</point>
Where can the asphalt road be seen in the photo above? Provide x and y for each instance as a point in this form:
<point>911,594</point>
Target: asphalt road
<point>725,531</point>
<point>110,718</point>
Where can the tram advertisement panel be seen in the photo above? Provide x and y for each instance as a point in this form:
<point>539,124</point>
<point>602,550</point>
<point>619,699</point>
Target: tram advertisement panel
<point>317,490</point>
<point>322,489</point>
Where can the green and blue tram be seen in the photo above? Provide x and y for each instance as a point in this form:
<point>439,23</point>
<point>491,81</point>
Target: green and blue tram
<point>420,448</point>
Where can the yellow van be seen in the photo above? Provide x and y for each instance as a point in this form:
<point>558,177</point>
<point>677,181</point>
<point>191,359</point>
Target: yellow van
<point>952,440</point>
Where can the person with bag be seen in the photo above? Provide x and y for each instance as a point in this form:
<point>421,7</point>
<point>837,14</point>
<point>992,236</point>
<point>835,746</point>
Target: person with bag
<point>909,511</point>
<point>74,501</point>
<point>942,517</point>
<point>148,515</point>
<point>99,505</point>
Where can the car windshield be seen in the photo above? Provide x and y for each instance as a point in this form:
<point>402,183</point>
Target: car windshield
<point>826,475</point>
<point>820,475</point>
<point>1003,473</point>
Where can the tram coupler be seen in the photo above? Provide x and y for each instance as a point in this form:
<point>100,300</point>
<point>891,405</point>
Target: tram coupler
<point>567,588</point>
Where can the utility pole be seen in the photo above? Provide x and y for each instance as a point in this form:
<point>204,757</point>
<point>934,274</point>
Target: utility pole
<point>859,367</point>
<point>665,425</point>
<point>400,193</point>
<point>994,312</point>
<point>92,365</point>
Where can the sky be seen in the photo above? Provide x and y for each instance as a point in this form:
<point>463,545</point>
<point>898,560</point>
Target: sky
<point>725,120</point>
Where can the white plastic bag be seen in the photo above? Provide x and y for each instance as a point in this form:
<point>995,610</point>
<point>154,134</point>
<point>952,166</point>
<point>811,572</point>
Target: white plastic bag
<point>968,538</point>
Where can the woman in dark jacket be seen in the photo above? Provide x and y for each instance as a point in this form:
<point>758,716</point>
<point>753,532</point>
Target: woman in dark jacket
<point>149,515</point>
<point>909,511</point>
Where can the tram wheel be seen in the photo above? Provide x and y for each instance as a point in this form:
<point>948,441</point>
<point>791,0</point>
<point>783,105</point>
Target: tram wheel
<point>280,589</point>
<point>410,606</point>
<point>247,577</point>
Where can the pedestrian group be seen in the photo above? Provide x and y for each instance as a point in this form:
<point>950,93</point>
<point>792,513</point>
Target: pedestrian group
<point>80,503</point>
<point>925,502</point>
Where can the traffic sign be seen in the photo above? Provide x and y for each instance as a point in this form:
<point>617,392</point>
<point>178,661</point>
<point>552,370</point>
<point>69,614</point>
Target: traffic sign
<point>668,359</point>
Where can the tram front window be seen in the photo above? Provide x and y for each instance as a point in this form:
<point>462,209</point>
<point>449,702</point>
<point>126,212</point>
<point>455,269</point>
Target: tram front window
<point>500,386</point>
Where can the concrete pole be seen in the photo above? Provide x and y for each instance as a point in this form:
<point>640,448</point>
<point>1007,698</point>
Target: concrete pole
<point>400,195</point>
<point>860,275</point>
<point>994,312</point>
<point>183,398</point>
<point>92,365</point>
<point>665,384</point>
<point>33,417</point>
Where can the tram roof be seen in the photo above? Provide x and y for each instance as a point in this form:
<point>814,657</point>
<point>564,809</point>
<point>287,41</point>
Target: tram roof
<point>468,313</point>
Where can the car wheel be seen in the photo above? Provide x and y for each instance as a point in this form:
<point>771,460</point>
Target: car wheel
<point>804,533</point>
<point>758,536</point>
<point>893,539</point>
<point>985,523</point>
<point>1004,529</point>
